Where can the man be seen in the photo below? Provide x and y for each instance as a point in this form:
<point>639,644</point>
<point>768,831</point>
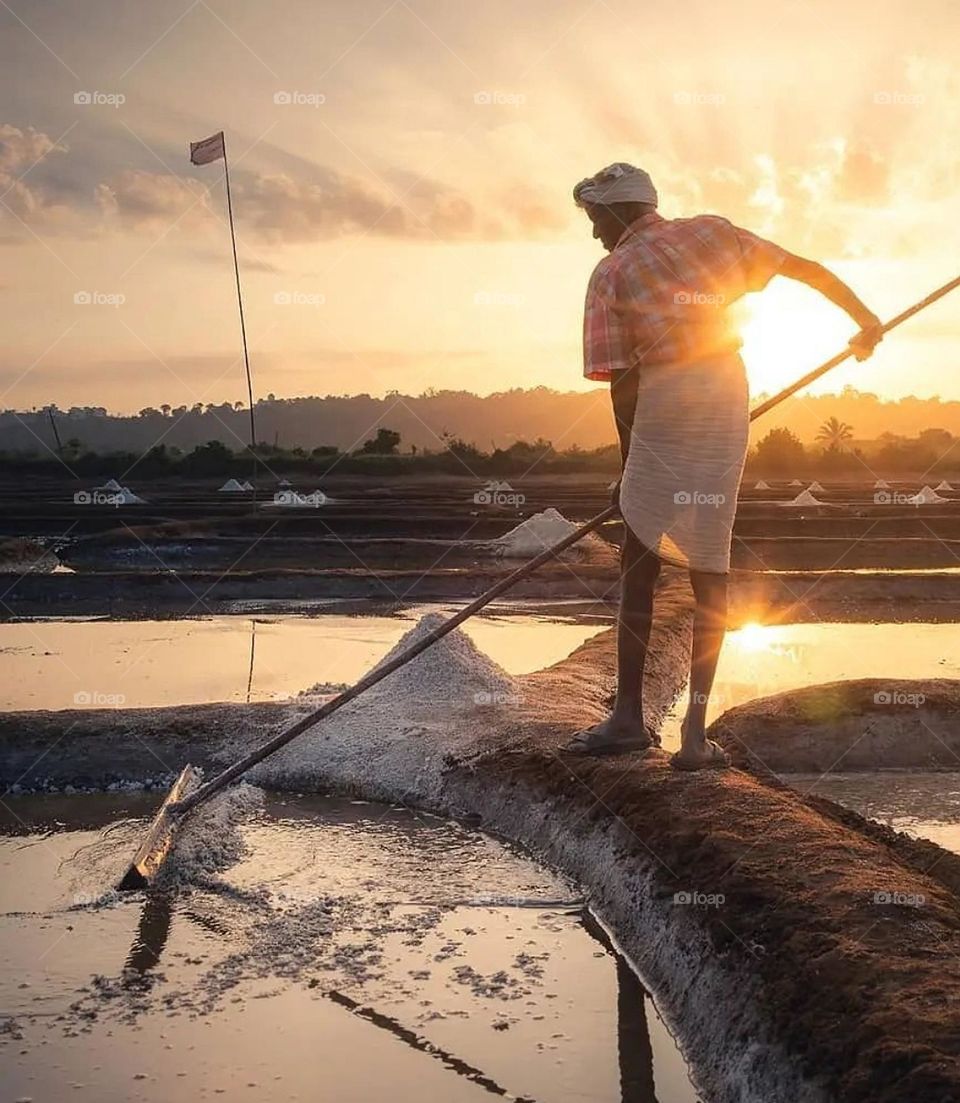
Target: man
<point>655,326</point>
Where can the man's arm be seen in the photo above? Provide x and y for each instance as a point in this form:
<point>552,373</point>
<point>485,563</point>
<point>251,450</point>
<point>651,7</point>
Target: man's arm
<point>833,288</point>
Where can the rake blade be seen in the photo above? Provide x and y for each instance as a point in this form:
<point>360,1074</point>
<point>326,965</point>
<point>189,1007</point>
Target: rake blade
<point>155,847</point>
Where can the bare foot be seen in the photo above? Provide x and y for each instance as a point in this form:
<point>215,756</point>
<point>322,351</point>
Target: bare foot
<point>619,733</point>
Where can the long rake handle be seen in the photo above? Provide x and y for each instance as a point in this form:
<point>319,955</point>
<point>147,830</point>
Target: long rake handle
<point>205,792</point>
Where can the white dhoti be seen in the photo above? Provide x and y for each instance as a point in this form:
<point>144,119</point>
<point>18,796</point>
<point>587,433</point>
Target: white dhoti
<point>687,449</point>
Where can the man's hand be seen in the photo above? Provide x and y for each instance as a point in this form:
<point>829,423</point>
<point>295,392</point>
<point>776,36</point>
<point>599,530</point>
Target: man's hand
<point>868,338</point>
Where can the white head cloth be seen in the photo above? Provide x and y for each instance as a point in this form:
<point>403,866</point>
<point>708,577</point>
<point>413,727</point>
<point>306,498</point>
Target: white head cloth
<point>617,183</point>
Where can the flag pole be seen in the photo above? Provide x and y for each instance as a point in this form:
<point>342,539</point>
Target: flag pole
<point>243,327</point>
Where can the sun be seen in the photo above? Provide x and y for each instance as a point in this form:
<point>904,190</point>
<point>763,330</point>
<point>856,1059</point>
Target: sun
<point>752,637</point>
<point>787,330</point>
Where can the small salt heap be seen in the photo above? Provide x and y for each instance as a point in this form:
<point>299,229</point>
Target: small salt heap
<point>926,497</point>
<point>231,486</point>
<point>761,485</point>
<point>544,530</point>
<point>804,498</point>
<point>943,485</point>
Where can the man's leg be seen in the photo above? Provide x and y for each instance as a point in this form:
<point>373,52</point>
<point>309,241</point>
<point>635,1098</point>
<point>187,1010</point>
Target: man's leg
<point>709,628</point>
<point>639,570</point>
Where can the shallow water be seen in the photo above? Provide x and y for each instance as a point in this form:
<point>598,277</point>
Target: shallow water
<point>69,663</point>
<point>760,660</point>
<point>925,805</point>
<point>357,952</point>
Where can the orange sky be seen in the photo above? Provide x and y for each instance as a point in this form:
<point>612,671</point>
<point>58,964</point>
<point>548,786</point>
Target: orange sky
<point>406,221</point>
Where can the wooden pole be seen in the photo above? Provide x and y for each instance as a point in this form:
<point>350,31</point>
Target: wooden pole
<point>243,327</point>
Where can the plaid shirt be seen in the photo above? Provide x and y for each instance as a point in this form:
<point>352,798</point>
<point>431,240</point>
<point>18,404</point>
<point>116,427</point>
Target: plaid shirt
<point>661,295</point>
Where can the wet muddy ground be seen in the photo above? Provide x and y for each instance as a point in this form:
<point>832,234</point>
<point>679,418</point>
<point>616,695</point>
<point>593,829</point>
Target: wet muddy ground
<point>356,951</point>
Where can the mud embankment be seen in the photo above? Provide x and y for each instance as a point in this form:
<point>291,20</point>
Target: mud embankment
<point>751,911</point>
<point>865,724</point>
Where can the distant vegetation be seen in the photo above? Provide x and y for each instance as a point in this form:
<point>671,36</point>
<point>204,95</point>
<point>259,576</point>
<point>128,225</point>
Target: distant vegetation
<point>426,421</point>
<point>778,454</point>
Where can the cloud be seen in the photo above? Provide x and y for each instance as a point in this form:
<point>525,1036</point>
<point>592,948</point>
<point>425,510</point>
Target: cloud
<point>150,202</point>
<point>20,151</point>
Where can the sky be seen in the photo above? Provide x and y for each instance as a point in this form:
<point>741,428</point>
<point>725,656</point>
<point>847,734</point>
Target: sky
<point>401,176</point>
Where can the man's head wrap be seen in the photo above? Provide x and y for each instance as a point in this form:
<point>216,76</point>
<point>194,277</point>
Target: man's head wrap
<point>617,183</point>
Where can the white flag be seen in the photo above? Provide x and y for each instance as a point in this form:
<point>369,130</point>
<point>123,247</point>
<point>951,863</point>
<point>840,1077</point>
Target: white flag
<point>210,149</point>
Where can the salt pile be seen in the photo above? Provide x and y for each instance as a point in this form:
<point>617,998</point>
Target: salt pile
<point>231,486</point>
<point>246,485</point>
<point>795,482</point>
<point>126,497</point>
<point>943,485</point>
<point>815,488</point>
<point>881,484</point>
<point>804,498</point>
<point>452,671</point>
<point>926,497</point>
<point>544,530</point>
<point>445,696</point>
<point>110,485</point>
<point>761,485</point>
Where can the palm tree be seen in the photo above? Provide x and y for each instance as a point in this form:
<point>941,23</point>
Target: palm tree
<point>835,434</point>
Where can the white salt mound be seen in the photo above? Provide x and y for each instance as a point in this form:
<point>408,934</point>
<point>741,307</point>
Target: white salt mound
<point>943,485</point>
<point>881,484</point>
<point>926,497</point>
<point>544,530</point>
<point>815,488</point>
<point>761,485</point>
<point>126,497</point>
<point>112,485</point>
<point>804,498</point>
<point>231,486</point>
<point>445,695</point>
<point>451,671</point>
<point>795,482</point>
